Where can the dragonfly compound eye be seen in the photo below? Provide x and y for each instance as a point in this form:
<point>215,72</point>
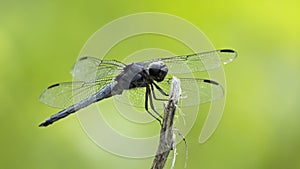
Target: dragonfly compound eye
<point>158,70</point>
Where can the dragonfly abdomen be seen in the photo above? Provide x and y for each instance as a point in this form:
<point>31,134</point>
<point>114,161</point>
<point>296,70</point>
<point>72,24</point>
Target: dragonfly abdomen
<point>106,92</point>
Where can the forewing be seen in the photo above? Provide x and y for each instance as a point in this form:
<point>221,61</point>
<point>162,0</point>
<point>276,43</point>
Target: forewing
<point>91,69</point>
<point>197,62</point>
<point>62,95</point>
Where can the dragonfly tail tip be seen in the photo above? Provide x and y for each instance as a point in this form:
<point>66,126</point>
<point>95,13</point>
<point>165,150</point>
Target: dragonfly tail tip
<point>44,124</point>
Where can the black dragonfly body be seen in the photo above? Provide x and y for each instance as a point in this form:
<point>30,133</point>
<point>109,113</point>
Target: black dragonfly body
<point>100,79</point>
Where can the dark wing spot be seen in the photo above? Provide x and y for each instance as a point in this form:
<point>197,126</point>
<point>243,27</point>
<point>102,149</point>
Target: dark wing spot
<point>211,81</point>
<point>83,58</point>
<point>227,50</point>
<point>54,85</point>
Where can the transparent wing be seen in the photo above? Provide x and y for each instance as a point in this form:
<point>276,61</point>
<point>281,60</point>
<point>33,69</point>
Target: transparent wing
<point>194,91</point>
<point>62,95</point>
<point>91,69</point>
<point>197,62</point>
<point>91,75</point>
<point>134,97</point>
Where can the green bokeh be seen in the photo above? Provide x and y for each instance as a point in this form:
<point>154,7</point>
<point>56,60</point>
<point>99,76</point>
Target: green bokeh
<point>40,40</point>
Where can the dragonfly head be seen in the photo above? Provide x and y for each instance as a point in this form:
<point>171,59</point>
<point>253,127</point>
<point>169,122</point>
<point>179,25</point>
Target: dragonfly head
<point>158,71</point>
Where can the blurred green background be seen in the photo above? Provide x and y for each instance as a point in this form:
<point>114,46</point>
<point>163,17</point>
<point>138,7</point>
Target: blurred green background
<point>40,41</point>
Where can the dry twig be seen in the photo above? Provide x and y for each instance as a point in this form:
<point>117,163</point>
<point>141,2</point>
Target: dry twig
<point>167,141</point>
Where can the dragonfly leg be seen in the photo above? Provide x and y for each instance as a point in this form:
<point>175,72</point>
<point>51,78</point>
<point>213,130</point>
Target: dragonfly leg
<point>154,96</point>
<point>151,102</point>
<point>160,89</point>
<point>148,95</point>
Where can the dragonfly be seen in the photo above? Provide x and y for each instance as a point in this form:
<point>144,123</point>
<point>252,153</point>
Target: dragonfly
<point>145,81</point>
